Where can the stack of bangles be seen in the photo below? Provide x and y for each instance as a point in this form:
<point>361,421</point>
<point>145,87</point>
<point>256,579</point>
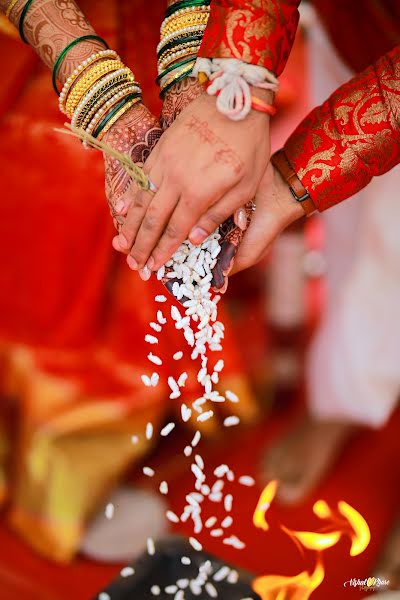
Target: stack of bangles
<point>99,91</point>
<point>181,35</point>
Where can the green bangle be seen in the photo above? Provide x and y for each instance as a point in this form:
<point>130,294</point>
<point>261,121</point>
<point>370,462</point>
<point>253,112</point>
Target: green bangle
<point>181,77</point>
<point>174,66</point>
<point>21,21</point>
<point>57,64</point>
<point>114,111</point>
<point>185,4</point>
<point>170,45</point>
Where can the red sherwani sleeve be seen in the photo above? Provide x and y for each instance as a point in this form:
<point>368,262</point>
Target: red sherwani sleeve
<point>352,137</point>
<point>259,32</point>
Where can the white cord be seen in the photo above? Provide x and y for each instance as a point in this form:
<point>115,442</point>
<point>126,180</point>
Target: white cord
<point>231,80</point>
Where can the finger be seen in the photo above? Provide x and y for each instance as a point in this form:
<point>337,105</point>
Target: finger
<point>136,210</point>
<point>152,227</point>
<point>176,230</point>
<point>216,215</point>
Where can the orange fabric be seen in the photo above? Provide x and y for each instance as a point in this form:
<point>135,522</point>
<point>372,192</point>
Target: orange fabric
<point>72,315</point>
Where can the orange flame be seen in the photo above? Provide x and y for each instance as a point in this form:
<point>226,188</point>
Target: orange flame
<point>315,541</point>
<point>263,505</point>
<point>361,534</point>
<point>301,586</point>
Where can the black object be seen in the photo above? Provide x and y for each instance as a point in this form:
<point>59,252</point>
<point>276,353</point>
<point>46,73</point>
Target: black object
<point>165,568</point>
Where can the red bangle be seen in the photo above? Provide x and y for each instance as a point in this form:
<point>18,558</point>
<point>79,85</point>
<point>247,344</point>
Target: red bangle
<point>261,106</point>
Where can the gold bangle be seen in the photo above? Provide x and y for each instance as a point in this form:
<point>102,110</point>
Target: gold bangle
<point>185,21</point>
<point>102,111</point>
<point>89,112</point>
<point>115,118</point>
<point>198,10</point>
<point>185,70</point>
<point>89,78</point>
<point>168,59</point>
<point>10,7</point>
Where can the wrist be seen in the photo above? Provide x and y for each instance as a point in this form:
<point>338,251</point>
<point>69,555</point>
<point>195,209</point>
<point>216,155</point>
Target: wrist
<point>292,210</point>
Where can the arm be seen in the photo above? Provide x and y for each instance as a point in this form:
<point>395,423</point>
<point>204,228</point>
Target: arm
<point>335,151</point>
<point>352,137</point>
<point>233,154</point>
<point>49,27</point>
<point>260,32</point>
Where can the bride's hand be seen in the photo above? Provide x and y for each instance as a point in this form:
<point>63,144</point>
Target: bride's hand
<point>205,168</point>
<point>135,134</point>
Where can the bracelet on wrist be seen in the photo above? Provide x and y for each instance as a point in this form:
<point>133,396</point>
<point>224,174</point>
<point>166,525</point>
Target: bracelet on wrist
<point>297,189</point>
<point>65,51</point>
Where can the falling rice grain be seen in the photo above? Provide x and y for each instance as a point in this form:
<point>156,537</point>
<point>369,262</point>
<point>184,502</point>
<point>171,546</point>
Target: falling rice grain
<point>233,577</point>
<point>104,596</point>
<point>231,421</point>
<point>134,439</point>
<point>146,380</point>
<point>163,487</point>
<point>177,355</point>
<point>211,591</point>
<point>167,429</point>
<point>127,572</point>
<point>156,327</point>
<point>185,412</point>
<point>188,450</point>
<point>228,501</point>
<point>151,549</point>
<point>231,396</point>
<point>222,573</point>
<point>109,511</point>
<point>155,590</point>
<point>154,359</point>
<point>205,416</point>
<point>148,471</point>
<point>160,317</point>
<point>195,544</point>
<point>155,378</point>
<point>210,522</point>
<point>227,522</point>
<point>185,560</point>
<point>171,516</point>
<point>217,532</point>
<point>246,480</point>
<point>150,339</point>
<point>196,439</point>
<point>149,431</point>
<point>160,298</point>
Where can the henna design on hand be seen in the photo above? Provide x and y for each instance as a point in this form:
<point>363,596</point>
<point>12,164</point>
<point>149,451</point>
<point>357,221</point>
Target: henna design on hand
<point>135,134</point>
<point>178,98</point>
<point>224,154</point>
<point>50,25</point>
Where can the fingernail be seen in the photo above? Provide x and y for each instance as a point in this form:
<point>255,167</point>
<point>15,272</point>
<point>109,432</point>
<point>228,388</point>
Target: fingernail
<point>197,236</point>
<point>241,219</point>
<point>132,263</point>
<point>150,263</point>
<point>145,273</point>
<point>120,205</point>
<point>115,243</point>
<point>122,241</point>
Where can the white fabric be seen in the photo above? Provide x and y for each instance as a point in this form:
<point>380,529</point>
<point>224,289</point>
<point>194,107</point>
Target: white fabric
<point>354,363</point>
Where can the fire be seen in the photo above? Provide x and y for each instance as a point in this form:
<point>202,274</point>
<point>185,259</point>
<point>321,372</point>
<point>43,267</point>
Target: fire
<point>360,534</point>
<point>347,521</point>
<point>299,587</point>
<point>263,505</point>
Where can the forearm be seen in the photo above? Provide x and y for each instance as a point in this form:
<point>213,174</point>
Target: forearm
<point>49,26</point>
<point>258,32</point>
<point>352,137</point>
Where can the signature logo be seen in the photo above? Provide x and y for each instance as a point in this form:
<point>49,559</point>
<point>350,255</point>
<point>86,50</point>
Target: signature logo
<point>367,585</point>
